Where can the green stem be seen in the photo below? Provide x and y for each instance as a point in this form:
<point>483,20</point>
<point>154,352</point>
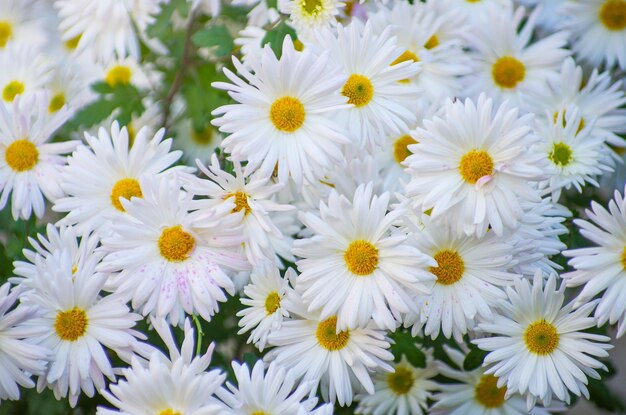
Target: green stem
<point>200,335</point>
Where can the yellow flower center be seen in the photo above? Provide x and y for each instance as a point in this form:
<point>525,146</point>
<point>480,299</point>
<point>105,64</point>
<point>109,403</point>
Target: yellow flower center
<point>472,1</point>
<point>56,102</point>
<point>311,7</point>
<point>450,267</point>
<point>175,244</point>
<point>507,72</point>
<point>407,55</point>
<point>358,89</point>
<point>432,42</point>
<point>241,202</point>
<point>474,165</point>
<point>272,302</point>
<point>118,75</point>
<point>169,411</point>
<point>401,148</point>
<point>287,114</point>
<point>71,325</point>
<point>125,188</point>
<point>6,30</point>
<point>328,337</point>
<point>561,154</point>
<point>401,381</point>
<point>623,258</point>
<point>259,413</point>
<point>204,137</point>
<point>613,14</point>
<point>21,155</point>
<point>73,42</point>
<point>487,392</point>
<point>361,257</point>
<point>11,90</point>
<point>541,338</point>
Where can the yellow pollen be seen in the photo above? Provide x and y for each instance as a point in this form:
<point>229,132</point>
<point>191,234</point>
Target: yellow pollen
<point>507,72</point>
<point>56,102</point>
<point>71,325</point>
<point>613,14</point>
<point>6,30</point>
<point>561,154</point>
<point>298,45</point>
<point>401,148</point>
<point>475,165</point>
<point>487,392</point>
<point>21,155</point>
<point>74,269</point>
<point>328,337</point>
<point>287,114</point>
<point>472,1</point>
<point>623,258</point>
<point>11,90</point>
<point>311,7</point>
<point>450,267</point>
<point>169,411</point>
<point>272,302</point>
<point>259,413</point>
<point>204,137</point>
<point>241,202</point>
<point>432,42</point>
<point>358,89</point>
<point>541,338</point>
<point>361,257</point>
<point>175,244</point>
<point>401,381</point>
<point>125,188</point>
<point>407,55</point>
<point>118,75</point>
<point>73,42</point>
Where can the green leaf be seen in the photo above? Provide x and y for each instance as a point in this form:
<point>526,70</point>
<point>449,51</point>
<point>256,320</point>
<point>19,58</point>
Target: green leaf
<point>93,113</point>
<point>603,397</point>
<point>216,35</point>
<point>474,359</point>
<point>405,345</point>
<point>276,36</point>
<point>102,87</point>
<point>272,4</point>
<point>250,359</point>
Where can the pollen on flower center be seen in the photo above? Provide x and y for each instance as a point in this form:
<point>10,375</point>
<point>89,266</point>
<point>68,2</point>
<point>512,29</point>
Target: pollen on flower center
<point>541,338</point>
<point>6,30</point>
<point>175,244</point>
<point>56,102</point>
<point>259,413</point>
<point>623,258</point>
<point>125,188</point>
<point>361,257</point>
<point>401,381</point>
<point>613,14</point>
<point>358,89</point>
<point>11,90</point>
<point>272,302</point>
<point>561,154</point>
<point>487,392</point>
<point>169,411</point>
<point>287,114</point>
<point>401,148</point>
<point>241,202</point>
<point>328,337</point>
<point>407,55</point>
<point>73,42</point>
<point>203,137</point>
<point>118,75</point>
<point>311,7</point>
<point>71,325</point>
<point>21,155</point>
<point>450,267</point>
<point>507,72</point>
<point>475,165</point>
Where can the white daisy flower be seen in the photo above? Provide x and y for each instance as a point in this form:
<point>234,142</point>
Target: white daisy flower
<point>99,174</point>
<point>171,261</point>
<point>265,299</point>
<point>405,391</point>
<point>289,226</point>
<point>602,268</point>
<point>250,42</point>
<point>539,348</point>
<point>550,18</point>
<point>20,358</point>
<point>196,144</point>
<point>21,23</point>
<point>314,349</point>
<point>275,391</point>
<point>470,274</point>
<point>356,266</point>
<point>70,85</point>
<point>310,15</point>
<point>282,120</point>
<point>24,70</point>
<point>474,10</point>
<point>126,71</point>
<point>30,166</point>
<point>598,30</point>
<point>474,166</point>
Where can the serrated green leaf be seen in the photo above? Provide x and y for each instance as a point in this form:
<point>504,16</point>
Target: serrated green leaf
<point>216,35</point>
<point>276,36</point>
<point>474,359</point>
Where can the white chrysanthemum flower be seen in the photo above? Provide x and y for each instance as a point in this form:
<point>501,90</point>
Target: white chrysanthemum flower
<point>282,120</point>
<point>30,166</point>
<point>171,261</point>
<point>247,199</point>
<point>20,359</point>
<point>539,348</point>
<point>265,299</point>
<point>405,391</point>
<point>99,174</point>
<point>24,70</point>
<point>507,64</point>
<point>275,391</point>
<point>476,393</point>
<point>250,42</point>
<point>598,30</point>
<point>314,349</point>
<point>576,155</point>
<point>311,15</point>
<point>474,166</point>
<point>289,226</point>
<point>602,268</point>
<point>373,65</point>
<point>470,274</point>
<point>356,265</point>
<point>21,23</point>
<point>176,385</point>
<point>126,71</point>
<point>77,324</point>
<point>474,10</point>
<point>195,144</point>
<point>69,85</point>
